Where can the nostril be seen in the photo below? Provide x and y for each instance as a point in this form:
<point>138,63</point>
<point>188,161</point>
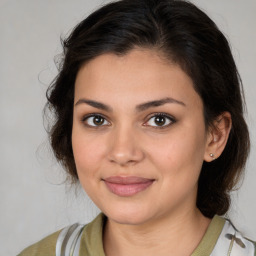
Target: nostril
<point>124,156</point>
<point>123,147</point>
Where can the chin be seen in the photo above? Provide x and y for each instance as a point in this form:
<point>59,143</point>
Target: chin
<point>127,216</point>
<point>128,220</point>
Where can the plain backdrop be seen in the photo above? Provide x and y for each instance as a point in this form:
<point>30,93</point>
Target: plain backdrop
<point>34,200</point>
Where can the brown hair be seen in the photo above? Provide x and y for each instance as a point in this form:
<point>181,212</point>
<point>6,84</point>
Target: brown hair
<point>186,36</point>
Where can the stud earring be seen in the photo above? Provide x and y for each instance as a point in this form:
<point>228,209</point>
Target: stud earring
<point>212,156</point>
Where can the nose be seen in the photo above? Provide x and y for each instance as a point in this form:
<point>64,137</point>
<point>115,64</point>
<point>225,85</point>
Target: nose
<point>125,147</point>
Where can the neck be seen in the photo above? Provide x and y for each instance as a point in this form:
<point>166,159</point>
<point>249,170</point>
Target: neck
<point>166,236</point>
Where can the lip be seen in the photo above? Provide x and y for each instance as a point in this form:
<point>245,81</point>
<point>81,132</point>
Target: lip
<point>127,186</point>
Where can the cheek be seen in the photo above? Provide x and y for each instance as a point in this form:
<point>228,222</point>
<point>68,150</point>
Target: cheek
<point>179,152</point>
<point>88,152</point>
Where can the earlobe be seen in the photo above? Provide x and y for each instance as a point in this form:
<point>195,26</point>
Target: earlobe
<point>218,136</point>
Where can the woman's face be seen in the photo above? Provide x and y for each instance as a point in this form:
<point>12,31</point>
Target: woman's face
<point>139,138</point>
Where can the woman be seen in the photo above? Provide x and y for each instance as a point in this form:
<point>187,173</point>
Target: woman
<point>149,119</point>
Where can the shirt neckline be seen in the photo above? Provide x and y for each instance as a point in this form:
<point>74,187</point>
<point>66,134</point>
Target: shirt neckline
<point>91,241</point>
<point>210,238</point>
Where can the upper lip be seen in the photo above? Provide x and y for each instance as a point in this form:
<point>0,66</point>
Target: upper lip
<point>125,180</point>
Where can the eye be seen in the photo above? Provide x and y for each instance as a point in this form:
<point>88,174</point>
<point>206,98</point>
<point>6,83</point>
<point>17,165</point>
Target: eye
<point>160,120</point>
<point>95,121</point>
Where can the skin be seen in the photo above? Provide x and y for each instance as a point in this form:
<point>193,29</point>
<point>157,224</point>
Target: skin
<point>129,142</point>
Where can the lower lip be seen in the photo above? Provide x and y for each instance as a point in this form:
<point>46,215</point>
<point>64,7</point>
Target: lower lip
<point>127,189</point>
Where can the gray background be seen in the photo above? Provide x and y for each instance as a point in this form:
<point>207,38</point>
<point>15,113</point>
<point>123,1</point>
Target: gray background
<point>33,199</point>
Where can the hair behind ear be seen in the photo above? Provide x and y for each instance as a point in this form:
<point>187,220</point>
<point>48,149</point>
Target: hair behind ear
<point>220,176</point>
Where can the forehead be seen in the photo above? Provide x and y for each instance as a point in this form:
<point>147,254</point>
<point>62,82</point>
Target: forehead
<point>139,74</point>
<point>115,66</point>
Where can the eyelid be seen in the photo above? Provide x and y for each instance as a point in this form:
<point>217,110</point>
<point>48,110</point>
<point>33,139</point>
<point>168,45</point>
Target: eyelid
<point>171,118</point>
<point>85,117</point>
<point>168,116</point>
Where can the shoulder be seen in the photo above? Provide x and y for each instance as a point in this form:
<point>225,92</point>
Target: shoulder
<point>71,238</point>
<point>234,241</point>
<point>46,246</point>
<point>222,238</point>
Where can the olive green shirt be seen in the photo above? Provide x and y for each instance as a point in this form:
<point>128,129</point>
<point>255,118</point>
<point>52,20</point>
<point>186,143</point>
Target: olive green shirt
<point>92,245</point>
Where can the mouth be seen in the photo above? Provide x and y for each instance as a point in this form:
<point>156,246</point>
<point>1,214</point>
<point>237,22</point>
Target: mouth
<point>127,186</point>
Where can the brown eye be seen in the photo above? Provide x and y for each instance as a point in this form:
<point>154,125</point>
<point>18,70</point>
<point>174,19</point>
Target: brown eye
<point>96,120</point>
<point>160,121</point>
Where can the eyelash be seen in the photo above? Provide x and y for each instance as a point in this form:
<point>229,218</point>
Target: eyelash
<point>85,118</point>
<point>165,115</point>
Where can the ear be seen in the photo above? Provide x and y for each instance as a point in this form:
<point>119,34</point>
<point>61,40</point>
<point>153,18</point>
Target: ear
<point>217,136</point>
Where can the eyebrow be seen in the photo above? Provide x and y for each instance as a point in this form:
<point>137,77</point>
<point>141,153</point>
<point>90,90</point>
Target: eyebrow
<point>139,108</point>
<point>157,103</point>
<point>94,104</point>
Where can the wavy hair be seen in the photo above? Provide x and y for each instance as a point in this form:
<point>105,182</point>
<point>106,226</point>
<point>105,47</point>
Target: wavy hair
<point>184,35</point>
